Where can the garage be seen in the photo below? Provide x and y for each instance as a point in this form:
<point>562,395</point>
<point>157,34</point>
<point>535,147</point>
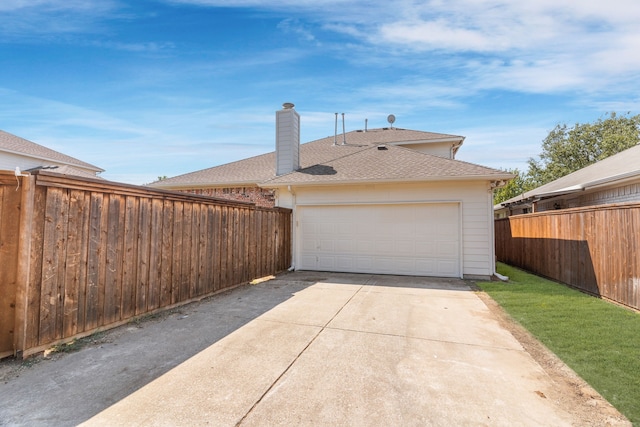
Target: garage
<point>421,239</point>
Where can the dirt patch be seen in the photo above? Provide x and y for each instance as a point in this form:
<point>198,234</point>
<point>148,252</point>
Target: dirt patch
<point>12,368</point>
<point>572,393</point>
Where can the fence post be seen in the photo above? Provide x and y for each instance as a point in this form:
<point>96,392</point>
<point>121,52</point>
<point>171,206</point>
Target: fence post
<point>24,264</point>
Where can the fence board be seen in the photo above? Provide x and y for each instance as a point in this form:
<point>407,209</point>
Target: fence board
<point>74,267</point>
<point>594,249</point>
<point>36,259</point>
<point>185,266</point>
<point>112,289</point>
<point>155,273</point>
<point>210,255</point>
<point>195,251</point>
<point>144,255</point>
<point>176,251</point>
<point>217,249</point>
<point>52,252</point>
<point>128,278</point>
<point>10,205</point>
<point>225,242</point>
<point>167,254</point>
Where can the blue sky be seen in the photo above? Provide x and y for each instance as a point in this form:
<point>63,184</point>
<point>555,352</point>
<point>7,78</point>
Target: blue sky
<point>145,88</point>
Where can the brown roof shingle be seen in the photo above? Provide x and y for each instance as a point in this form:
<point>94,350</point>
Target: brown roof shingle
<point>14,144</point>
<point>618,167</point>
<point>386,164</point>
<point>261,168</point>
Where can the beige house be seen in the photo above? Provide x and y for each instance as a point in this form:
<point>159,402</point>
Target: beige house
<point>615,179</point>
<point>386,201</point>
<point>28,156</point>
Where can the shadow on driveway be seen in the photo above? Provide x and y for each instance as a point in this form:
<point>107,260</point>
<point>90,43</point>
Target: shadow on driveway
<point>66,389</point>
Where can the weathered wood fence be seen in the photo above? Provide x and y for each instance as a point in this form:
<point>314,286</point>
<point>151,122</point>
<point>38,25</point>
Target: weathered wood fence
<point>595,249</point>
<point>80,255</point>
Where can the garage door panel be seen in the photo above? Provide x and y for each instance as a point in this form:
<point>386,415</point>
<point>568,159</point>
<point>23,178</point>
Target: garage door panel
<point>411,239</point>
<point>447,268</point>
<point>402,248</point>
<point>326,245</point>
<point>344,246</point>
<point>446,249</point>
<point>425,249</point>
<point>364,263</point>
<point>363,247</point>
<point>326,262</point>
<point>346,263</point>
<point>309,246</point>
<point>425,267</point>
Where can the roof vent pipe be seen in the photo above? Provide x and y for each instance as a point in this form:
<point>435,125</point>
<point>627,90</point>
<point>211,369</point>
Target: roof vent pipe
<point>365,124</point>
<point>344,135</point>
<point>335,135</point>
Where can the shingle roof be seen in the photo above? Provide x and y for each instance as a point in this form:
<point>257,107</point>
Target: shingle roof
<point>261,168</point>
<point>386,164</point>
<point>623,165</point>
<point>14,144</point>
<point>67,170</point>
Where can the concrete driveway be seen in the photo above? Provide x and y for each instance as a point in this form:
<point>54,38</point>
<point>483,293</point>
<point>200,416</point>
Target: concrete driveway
<point>307,348</point>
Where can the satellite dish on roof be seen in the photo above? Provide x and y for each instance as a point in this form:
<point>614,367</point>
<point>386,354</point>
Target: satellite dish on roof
<point>391,118</point>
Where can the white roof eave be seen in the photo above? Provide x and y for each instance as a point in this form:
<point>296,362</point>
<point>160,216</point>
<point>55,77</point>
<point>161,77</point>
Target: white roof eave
<point>487,178</point>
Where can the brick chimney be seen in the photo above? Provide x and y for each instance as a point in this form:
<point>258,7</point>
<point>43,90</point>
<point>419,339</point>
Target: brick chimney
<point>287,139</point>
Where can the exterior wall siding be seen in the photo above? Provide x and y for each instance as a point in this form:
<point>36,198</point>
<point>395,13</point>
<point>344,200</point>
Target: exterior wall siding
<point>622,194</point>
<point>476,210</point>
<point>435,149</point>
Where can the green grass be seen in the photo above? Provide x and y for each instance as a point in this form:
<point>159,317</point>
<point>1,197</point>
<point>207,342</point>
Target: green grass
<point>597,339</point>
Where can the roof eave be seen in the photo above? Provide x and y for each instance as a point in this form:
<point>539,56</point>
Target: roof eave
<point>612,179</point>
<point>83,165</point>
<point>459,139</point>
<point>487,178</point>
<point>169,186</point>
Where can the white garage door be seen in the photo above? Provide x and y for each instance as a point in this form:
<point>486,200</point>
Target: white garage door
<point>406,239</point>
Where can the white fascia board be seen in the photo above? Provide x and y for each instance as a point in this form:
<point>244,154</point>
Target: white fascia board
<point>561,191</point>
<point>428,141</point>
<point>606,181</point>
<point>85,165</point>
<point>386,181</point>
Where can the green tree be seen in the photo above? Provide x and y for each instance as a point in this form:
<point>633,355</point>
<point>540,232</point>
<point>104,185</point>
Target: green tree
<point>518,185</point>
<point>567,149</point>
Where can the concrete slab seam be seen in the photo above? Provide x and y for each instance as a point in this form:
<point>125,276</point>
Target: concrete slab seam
<point>420,338</point>
<point>244,417</point>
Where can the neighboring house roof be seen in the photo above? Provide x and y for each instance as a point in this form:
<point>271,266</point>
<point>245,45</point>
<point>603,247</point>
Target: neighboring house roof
<point>15,145</point>
<point>386,164</point>
<point>619,167</point>
<point>261,168</point>
<point>67,170</point>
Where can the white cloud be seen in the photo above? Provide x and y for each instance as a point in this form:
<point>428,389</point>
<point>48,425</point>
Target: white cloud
<point>294,26</point>
<point>437,35</point>
<point>28,19</point>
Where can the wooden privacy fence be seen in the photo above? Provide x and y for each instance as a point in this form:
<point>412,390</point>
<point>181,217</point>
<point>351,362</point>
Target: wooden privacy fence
<point>79,255</point>
<point>594,249</point>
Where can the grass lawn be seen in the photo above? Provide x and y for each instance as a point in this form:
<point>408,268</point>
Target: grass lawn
<point>597,339</point>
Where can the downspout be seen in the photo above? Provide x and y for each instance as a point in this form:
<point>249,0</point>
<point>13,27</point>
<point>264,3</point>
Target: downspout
<point>493,233</point>
<point>294,223</point>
